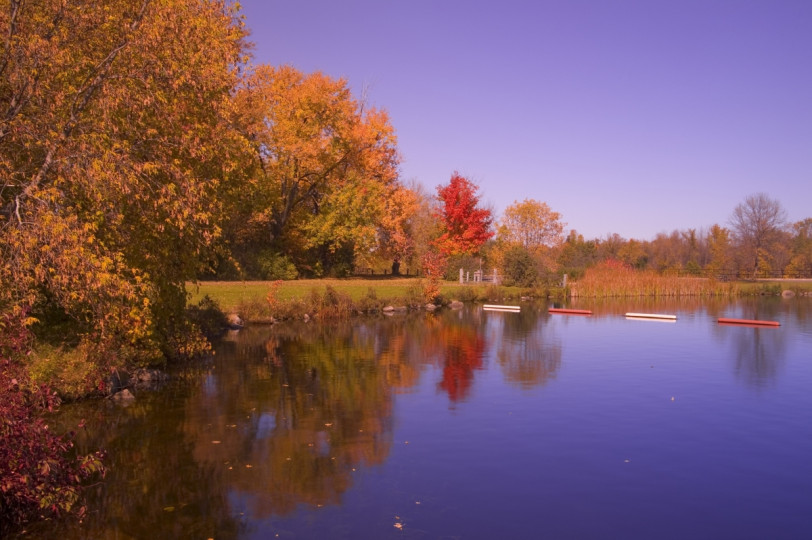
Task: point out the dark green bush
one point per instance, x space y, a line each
520 268
272 265
208 316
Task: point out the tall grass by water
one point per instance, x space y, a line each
616 280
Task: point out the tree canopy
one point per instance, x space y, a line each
465 224
112 147
532 225
324 178
757 225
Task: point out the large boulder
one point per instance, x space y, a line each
234 321
124 397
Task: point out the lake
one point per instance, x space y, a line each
472 424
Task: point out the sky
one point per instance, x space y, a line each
634 117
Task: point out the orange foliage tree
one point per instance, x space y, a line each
466 226
325 170
112 149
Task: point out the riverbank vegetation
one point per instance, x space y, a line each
259 301
614 279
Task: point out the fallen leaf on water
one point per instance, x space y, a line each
215 442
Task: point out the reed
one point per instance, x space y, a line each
612 279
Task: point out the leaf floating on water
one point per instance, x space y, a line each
215 442
169 508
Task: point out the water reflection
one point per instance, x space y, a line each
528 350
292 428
282 418
758 354
460 345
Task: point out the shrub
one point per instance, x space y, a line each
272 265
71 371
38 477
520 268
330 304
370 301
208 316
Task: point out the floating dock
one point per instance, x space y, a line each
494 307
748 322
570 311
651 316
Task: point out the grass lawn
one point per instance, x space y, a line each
230 294
775 286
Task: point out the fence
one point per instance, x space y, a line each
732 275
480 277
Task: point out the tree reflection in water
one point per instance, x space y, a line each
283 418
758 353
462 354
528 351
292 429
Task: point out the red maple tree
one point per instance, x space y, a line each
466 226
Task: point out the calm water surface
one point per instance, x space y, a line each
472 424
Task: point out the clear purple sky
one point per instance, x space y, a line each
626 116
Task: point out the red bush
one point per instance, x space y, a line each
38 475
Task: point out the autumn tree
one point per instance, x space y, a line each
801 263
719 246
633 253
577 253
465 225
112 149
423 224
532 225
757 224
324 176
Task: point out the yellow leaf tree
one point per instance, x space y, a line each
112 150
528 230
532 225
324 187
